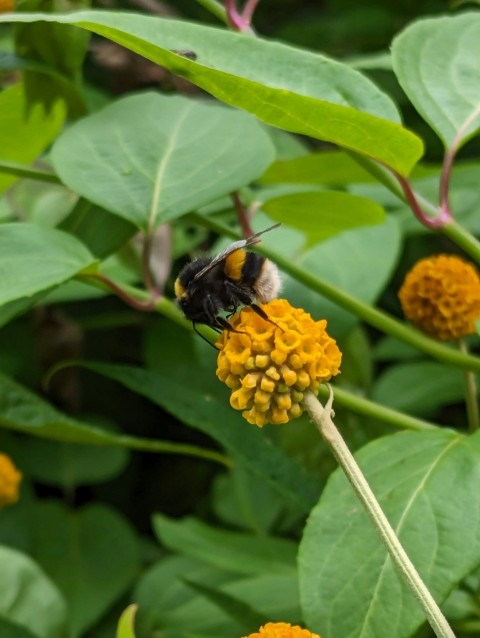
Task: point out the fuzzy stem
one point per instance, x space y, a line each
321 416
471 393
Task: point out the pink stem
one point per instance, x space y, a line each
434 223
249 10
122 294
234 19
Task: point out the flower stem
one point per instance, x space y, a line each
460 235
471 393
321 416
215 8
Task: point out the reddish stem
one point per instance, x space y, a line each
145 306
242 215
433 223
240 21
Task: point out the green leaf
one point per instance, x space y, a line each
29 599
126 624
23 411
236 552
419 388
168 606
183 382
327 167
321 215
436 62
92 555
12 630
427 485
359 262
102 232
151 158
69 465
25 129
293 89
33 259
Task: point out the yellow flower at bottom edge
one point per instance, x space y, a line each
270 364
10 479
441 296
282 630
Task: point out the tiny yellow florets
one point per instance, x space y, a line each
282 630
441 295
269 365
10 479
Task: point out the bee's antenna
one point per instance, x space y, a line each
266 230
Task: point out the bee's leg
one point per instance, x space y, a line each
204 338
264 315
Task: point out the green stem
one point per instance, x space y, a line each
321 416
368 408
460 235
215 8
471 393
372 316
19 170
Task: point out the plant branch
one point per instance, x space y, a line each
28 172
365 407
322 417
367 313
471 393
242 215
215 8
449 158
433 223
138 299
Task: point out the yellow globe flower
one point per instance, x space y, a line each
441 295
282 630
269 365
10 479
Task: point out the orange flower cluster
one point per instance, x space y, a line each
10 479
269 365
441 295
282 630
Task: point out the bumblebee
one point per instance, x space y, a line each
236 277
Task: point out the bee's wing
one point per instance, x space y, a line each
237 245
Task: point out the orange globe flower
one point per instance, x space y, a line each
441 295
269 365
10 479
282 630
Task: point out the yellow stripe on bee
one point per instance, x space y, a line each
234 264
178 289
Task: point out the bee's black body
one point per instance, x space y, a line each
209 285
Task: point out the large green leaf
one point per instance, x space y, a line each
25 129
236 552
92 556
286 87
151 158
34 259
323 214
29 598
427 484
183 382
436 62
23 411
